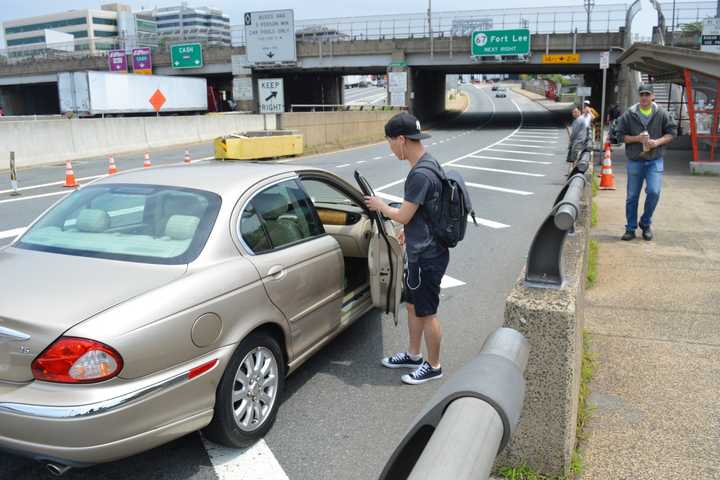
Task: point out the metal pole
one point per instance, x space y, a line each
432 46
602 109
672 39
13 176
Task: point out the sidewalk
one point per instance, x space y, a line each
654 320
550 105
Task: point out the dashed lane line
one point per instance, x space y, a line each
498 189
343 165
42 195
520 145
12 233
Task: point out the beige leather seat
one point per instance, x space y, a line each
271 206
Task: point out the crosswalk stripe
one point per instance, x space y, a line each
498 170
516 151
498 189
520 145
510 159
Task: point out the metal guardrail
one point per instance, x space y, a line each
298 107
470 419
544 262
545 20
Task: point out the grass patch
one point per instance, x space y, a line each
594 215
592 264
521 473
595 185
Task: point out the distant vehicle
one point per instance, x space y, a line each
184 304
501 92
357 81
91 93
494 87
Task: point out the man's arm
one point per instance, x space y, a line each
401 215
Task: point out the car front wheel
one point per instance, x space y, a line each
248 396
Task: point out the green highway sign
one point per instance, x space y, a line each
489 43
186 55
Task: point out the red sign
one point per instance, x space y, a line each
157 100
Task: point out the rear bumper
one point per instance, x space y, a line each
81 425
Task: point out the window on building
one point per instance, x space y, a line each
104 21
25 41
42 26
101 33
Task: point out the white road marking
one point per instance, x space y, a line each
511 160
254 463
343 165
12 233
498 189
377 158
497 170
20 199
391 184
521 145
522 153
532 140
93 177
450 282
433 144
481 221
360 161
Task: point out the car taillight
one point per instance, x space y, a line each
77 360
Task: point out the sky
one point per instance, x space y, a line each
309 9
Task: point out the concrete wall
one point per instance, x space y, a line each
322 129
552 320
50 141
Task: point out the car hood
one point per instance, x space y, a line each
44 294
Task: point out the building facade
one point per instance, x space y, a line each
94 30
202 24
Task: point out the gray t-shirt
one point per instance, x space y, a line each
579 130
421 188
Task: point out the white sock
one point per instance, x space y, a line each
415 357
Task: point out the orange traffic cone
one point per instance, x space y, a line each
187 160
112 169
147 163
70 176
607 179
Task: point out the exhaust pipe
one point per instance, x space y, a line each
56 470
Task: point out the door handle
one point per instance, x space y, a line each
276 272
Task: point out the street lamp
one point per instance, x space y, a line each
589 5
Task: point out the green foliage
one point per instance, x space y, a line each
592 264
594 216
694 27
595 185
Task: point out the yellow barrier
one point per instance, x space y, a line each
258 145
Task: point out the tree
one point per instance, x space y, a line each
694 27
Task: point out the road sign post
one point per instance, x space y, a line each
271 95
13 175
491 43
186 55
604 65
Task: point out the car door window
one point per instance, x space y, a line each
278 216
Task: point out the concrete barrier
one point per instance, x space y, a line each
552 320
320 129
39 142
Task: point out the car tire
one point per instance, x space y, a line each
239 430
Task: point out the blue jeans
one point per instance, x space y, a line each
649 171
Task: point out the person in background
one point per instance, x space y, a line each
578 135
645 128
2 112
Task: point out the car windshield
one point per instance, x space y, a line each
138 223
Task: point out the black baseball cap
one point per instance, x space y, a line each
645 88
406 125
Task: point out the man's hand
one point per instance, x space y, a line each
401 237
375 204
652 143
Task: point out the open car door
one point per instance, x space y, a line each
385 260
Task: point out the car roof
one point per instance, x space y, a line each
215 176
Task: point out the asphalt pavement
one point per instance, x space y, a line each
365 96
343 413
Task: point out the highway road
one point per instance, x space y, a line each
343 413
366 96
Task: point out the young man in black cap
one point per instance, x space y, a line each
645 128
427 260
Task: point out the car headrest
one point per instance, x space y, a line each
271 205
181 227
93 220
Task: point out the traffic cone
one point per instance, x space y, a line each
147 163
187 160
70 176
607 179
112 169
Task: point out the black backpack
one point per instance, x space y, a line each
448 216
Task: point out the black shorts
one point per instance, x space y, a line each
422 283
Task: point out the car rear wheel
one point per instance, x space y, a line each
248 396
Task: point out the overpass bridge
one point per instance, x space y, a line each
330 48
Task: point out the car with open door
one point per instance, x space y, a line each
157 302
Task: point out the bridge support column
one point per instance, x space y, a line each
396 96
244 90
